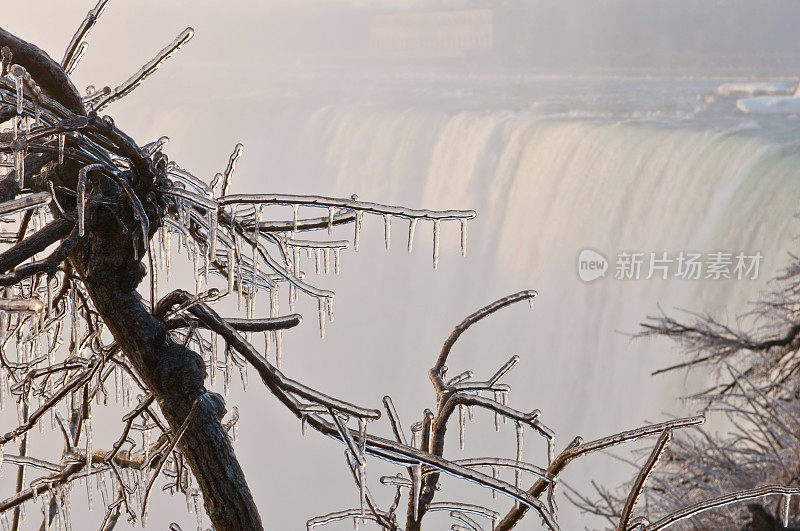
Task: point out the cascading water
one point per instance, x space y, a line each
547 183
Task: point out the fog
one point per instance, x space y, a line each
566 124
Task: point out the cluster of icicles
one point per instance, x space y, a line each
228 231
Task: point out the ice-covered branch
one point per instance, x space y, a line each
720 501
641 478
71 55
474 318
577 448
148 68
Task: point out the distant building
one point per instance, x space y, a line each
434 34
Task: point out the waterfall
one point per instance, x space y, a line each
545 188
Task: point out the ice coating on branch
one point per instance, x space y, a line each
321 311
503 370
228 174
151 66
32 305
77 58
25 202
155 147
77 45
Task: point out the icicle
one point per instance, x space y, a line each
197 512
49 281
787 499
278 347
62 141
274 301
462 421
318 260
387 230
161 247
357 237
412 226
255 245
416 487
118 384
362 487
304 424
197 273
327 260
88 430
330 220
336 259
436 234
168 255
243 372
228 370
494 476
497 398
295 262
179 204
230 269
206 262
321 306
295 209
19 156
329 301
213 368
212 234
463 236
18 72
67 509
520 432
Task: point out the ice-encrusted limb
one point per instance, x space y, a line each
147 69
71 55
358 206
228 173
638 484
325 519
578 448
474 318
720 501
